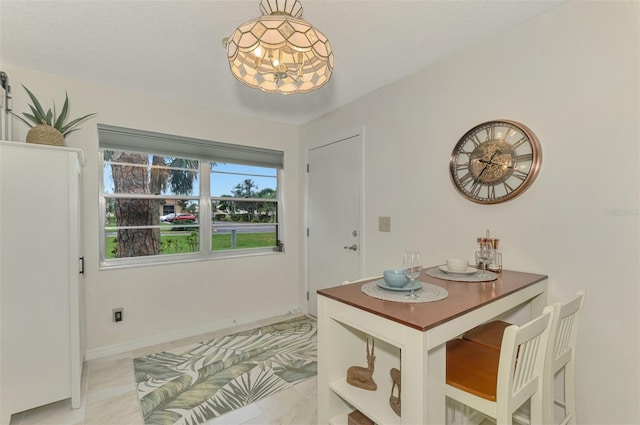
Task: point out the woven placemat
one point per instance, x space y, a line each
427 293
437 273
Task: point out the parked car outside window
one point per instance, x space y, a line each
182 217
167 217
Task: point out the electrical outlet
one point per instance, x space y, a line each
117 314
384 224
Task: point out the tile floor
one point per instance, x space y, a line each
109 395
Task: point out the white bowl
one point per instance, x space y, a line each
457 264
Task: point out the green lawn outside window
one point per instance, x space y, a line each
185 243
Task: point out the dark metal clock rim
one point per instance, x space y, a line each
528 181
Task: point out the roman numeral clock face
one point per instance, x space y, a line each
495 161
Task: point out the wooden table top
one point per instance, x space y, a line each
463 297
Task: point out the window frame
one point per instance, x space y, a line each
205 232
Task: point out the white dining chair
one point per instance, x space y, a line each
560 356
498 383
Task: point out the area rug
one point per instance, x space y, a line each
193 384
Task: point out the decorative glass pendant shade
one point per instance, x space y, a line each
280 53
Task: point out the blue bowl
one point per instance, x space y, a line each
395 278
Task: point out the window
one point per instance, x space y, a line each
167 198
244 206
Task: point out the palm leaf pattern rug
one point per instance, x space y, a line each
191 385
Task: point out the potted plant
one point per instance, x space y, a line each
46 127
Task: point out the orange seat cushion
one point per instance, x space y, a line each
488 334
472 368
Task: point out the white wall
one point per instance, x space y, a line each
572 76
168 301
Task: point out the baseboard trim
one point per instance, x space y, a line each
96 353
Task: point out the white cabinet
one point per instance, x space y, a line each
41 285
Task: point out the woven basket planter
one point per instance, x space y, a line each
45 135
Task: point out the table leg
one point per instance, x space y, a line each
323 372
413 370
436 381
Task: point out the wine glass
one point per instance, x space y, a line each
412 265
485 250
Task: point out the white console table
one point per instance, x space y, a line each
410 337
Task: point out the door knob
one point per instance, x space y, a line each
353 247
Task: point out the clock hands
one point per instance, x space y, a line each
489 162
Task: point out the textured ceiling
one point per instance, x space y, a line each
173 48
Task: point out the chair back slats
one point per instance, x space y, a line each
564 342
521 364
525 363
524 366
566 331
518 399
564 336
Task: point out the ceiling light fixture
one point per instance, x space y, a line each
279 52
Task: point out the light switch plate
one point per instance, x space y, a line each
384 224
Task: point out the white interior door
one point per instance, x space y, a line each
334 198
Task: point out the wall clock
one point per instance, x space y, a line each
495 161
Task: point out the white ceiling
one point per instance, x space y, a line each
173 48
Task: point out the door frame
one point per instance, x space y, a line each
325 141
